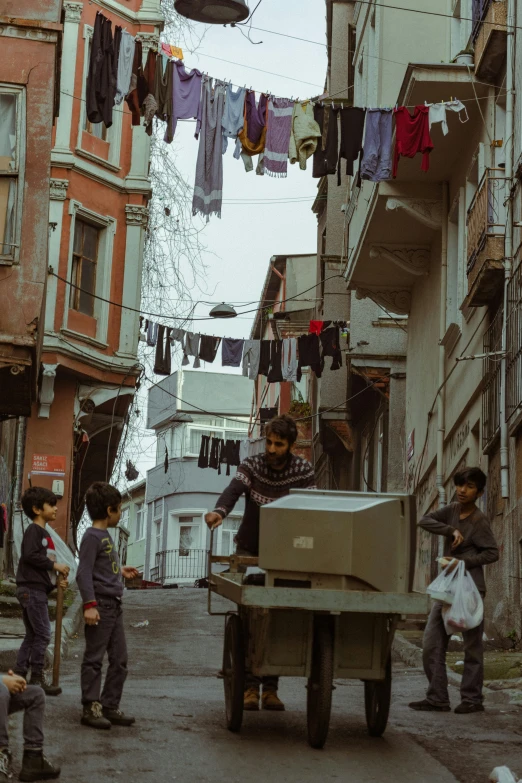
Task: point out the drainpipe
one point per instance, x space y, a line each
508 252
442 351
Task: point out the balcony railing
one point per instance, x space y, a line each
514 345
490 37
186 564
491 392
486 227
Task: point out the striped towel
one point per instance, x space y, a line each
275 159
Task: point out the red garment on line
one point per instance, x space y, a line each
316 327
412 135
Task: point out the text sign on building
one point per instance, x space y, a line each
48 465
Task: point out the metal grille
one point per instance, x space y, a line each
172 564
491 392
514 344
486 213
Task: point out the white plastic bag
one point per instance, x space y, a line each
443 586
502 775
467 608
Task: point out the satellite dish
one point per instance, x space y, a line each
213 11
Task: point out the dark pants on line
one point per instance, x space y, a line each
37 630
32 702
106 637
434 647
251 681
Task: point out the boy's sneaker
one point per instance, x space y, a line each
38 678
427 706
117 717
5 766
93 716
36 767
467 707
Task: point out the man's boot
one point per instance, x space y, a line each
271 701
117 717
251 699
93 716
36 767
38 678
5 765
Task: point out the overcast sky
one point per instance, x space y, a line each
241 243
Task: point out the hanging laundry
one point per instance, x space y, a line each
191 349
208 188
138 85
308 347
264 357
275 157
316 327
214 460
231 352
412 135
150 104
305 134
163 87
208 348
326 154
3 523
289 361
177 335
330 342
352 130
231 454
185 99
203 452
251 358
253 133
125 60
276 362
162 364
233 116
376 164
152 333
166 462
101 84
437 113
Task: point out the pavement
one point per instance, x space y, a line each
180 734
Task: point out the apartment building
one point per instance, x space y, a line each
133 523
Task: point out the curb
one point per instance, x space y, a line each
70 625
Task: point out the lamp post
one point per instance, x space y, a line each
223 311
213 11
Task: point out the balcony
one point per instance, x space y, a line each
180 564
492 345
490 39
486 226
514 348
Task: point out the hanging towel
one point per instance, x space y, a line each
233 115
162 364
231 352
152 334
251 357
376 164
325 156
275 159
208 348
437 113
208 188
289 362
305 134
352 130
412 135
185 98
253 134
125 60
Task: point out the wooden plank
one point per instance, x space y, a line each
334 600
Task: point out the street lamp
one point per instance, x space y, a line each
223 311
213 11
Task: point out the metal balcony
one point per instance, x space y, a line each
181 564
490 33
486 227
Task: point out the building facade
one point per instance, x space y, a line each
179 493
99 190
133 523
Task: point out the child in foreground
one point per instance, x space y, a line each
99 580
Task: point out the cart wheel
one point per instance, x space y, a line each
377 697
320 685
234 672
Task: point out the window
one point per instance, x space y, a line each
139 521
157 515
194 434
10 170
124 519
229 529
188 535
85 257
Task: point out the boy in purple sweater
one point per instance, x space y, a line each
100 583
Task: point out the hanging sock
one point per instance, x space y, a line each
208 188
412 135
376 164
305 134
280 112
325 156
231 352
352 130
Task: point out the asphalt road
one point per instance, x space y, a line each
180 736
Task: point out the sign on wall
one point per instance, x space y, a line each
48 465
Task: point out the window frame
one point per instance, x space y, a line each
140 518
76 269
13 257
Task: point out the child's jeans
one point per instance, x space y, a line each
37 630
108 636
32 702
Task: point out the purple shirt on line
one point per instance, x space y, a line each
186 97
